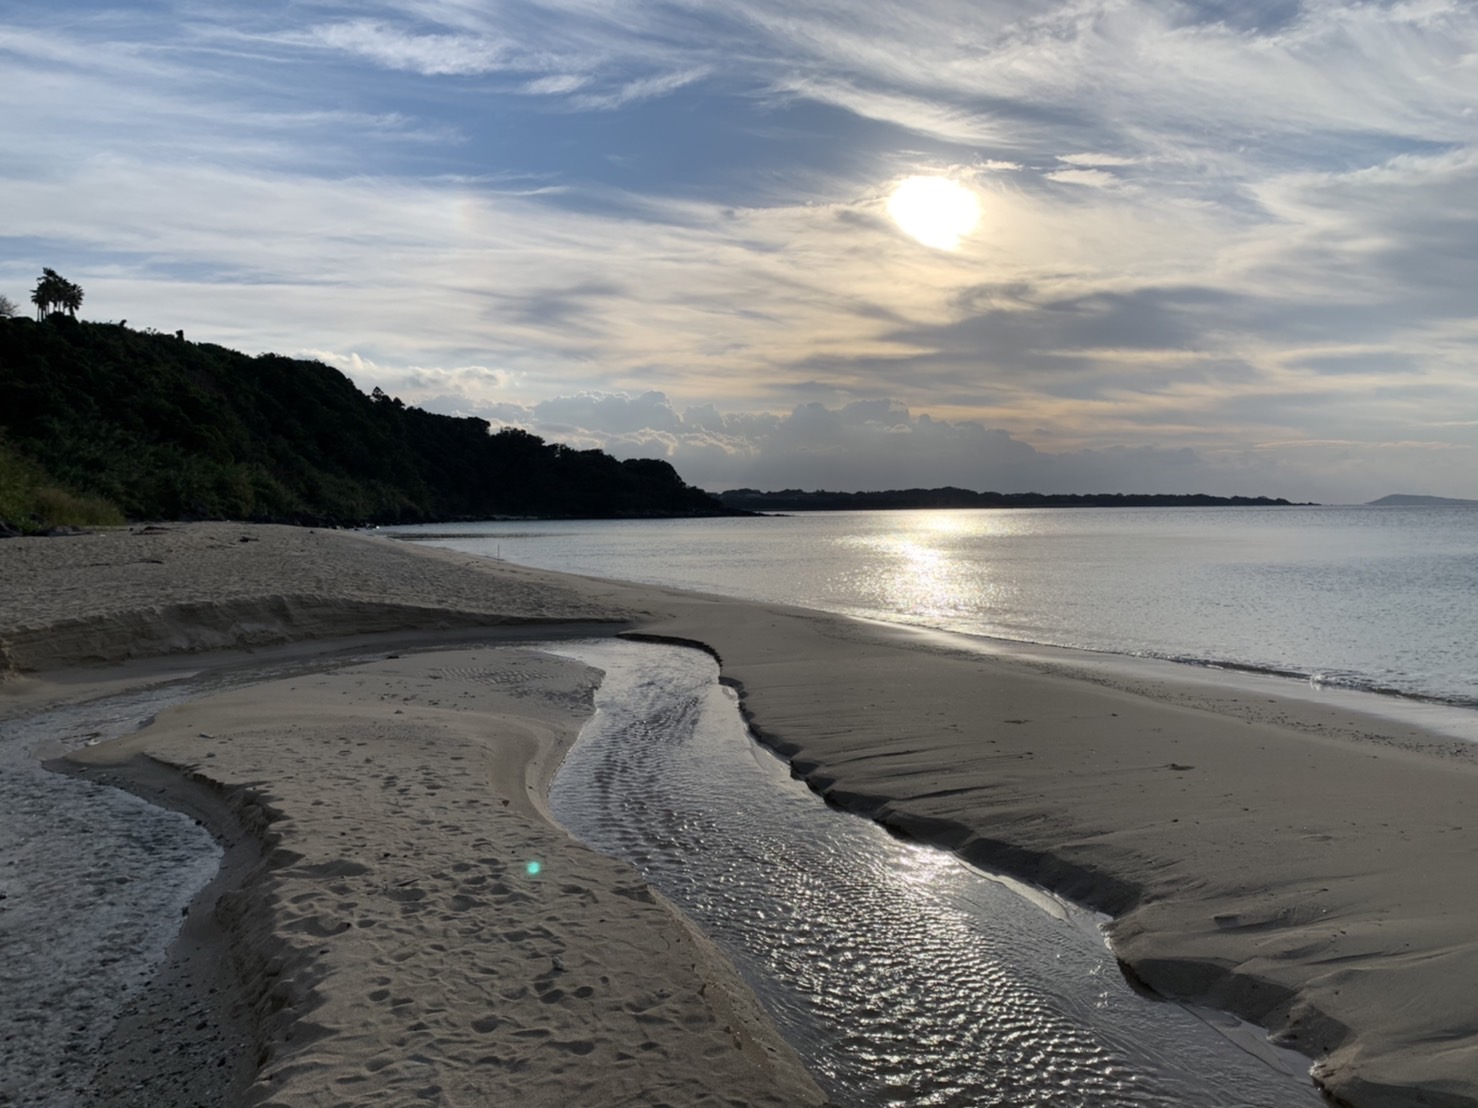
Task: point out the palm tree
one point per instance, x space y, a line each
55 291
71 298
47 292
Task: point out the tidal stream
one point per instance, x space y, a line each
901 975
93 881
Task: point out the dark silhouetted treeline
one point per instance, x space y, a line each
94 414
794 500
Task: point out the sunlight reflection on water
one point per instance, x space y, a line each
1367 598
927 566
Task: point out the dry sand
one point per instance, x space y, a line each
1300 865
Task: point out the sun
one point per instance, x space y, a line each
935 210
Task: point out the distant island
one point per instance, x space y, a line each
1407 500
795 500
100 424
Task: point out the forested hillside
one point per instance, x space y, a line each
97 420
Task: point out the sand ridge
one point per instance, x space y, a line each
108 596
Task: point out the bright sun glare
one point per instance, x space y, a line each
935 210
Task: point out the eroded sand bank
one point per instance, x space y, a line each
1304 867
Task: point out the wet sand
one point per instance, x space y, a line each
1298 864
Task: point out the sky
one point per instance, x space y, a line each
1221 246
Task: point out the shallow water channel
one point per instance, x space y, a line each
93 881
901 975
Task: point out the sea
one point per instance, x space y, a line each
1380 600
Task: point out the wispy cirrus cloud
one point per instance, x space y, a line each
432 55
634 92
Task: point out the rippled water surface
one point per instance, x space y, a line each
1367 598
903 976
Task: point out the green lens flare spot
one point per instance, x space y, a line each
533 868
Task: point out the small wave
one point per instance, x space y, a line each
1318 678
1335 679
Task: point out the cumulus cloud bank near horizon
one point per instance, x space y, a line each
1222 247
881 444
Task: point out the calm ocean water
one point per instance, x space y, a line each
1377 599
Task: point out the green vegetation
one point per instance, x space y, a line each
98 423
30 498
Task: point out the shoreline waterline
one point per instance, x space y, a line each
1371 599
1437 718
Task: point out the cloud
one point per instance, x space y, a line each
475 53
608 413
1214 235
433 55
1090 178
953 124
634 92
555 85
935 452
1096 160
880 443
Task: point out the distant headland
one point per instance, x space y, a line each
795 500
1408 500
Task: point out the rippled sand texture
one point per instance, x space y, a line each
394 943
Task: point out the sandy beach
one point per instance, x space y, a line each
1300 865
